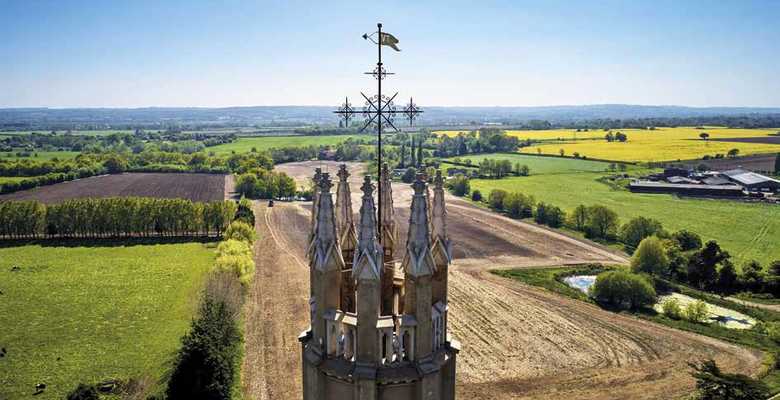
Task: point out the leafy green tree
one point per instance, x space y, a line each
753 276
622 289
703 265
687 240
602 222
733 153
495 199
704 135
410 174
713 384
777 164
650 257
518 205
115 164
728 280
206 364
476 195
621 137
579 218
635 230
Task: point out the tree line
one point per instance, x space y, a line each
114 217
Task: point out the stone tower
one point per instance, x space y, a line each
378 326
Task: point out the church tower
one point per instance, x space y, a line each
390 341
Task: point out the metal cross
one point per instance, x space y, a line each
378 110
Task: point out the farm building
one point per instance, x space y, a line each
686 189
751 180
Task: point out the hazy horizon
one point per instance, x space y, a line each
201 54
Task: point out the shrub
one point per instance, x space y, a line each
712 384
637 229
83 392
240 231
241 265
696 311
650 257
672 309
459 185
622 289
207 362
496 198
409 175
476 195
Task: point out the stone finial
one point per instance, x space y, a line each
368 255
417 259
324 253
344 220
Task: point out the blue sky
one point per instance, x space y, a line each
507 53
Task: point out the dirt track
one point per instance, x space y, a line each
517 341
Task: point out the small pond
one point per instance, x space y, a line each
723 316
581 282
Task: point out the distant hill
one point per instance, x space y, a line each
53 118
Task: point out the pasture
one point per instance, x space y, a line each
747 230
260 143
195 187
545 165
84 313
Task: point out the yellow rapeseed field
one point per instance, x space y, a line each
661 144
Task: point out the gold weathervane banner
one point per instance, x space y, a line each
389 40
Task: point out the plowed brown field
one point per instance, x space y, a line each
196 187
517 341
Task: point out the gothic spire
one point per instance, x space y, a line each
344 222
324 253
368 255
439 213
417 259
315 198
388 227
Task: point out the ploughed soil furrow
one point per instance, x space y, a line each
517 341
195 187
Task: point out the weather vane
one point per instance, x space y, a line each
379 110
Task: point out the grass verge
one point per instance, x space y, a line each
90 313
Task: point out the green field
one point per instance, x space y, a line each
747 230
245 144
546 165
87 314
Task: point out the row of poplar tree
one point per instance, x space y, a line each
114 217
